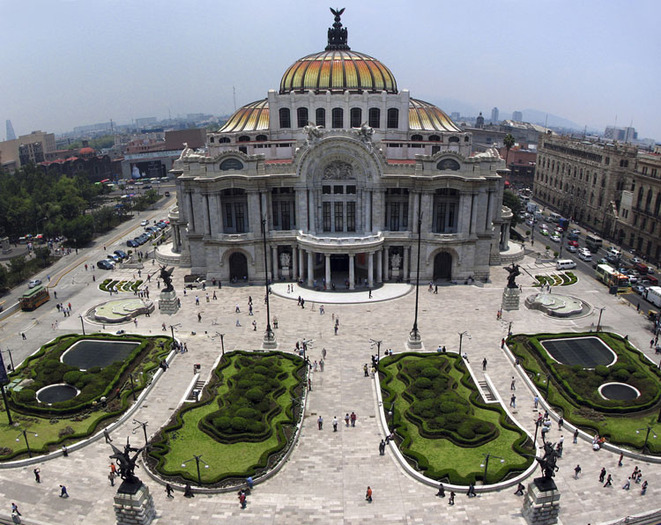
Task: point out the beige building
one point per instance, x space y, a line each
345 171
26 149
583 180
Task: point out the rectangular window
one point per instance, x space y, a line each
351 216
327 216
339 216
229 223
405 216
393 118
240 218
441 212
338 190
326 190
302 117
338 118
375 118
394 217
320 117
351 190
452 217
286 215
276 217
285 118
356 117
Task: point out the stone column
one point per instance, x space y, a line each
369 225
386 275
328 270
310 269
370 269
254 220
302 210
352 277
407 255
311 213
379 266
274 263
301 264
206 214
294 262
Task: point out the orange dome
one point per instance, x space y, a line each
86 151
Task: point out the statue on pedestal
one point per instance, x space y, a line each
513 272
125 463
166 276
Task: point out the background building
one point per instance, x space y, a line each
26 149
494 116
339 165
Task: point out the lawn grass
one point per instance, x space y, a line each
184 438
628 428
442 459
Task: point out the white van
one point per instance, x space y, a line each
565 264
584 254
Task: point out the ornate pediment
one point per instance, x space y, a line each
338 170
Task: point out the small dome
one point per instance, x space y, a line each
338 70
424 116
86 151
251 117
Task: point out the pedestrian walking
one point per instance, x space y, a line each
334 424
536 401
320 422
365 370
513 383
169 490
561 422
451 500
602 474
353 418
576 436
63 492
14 509
382 448
242 499
484 364
111 478
323 353
37 476
513 401
346 419
619 461
368 494
609 481
254 326
250 482
643 489
106 435
441 491
188 491
627 484
520 489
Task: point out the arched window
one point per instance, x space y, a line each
337 118
416 137
453 139
231 164
356 117
466 138
434 138
302 117
224 140
375 118
393 118
243 138
320 117
261 138
285 118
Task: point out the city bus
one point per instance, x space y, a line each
34 298
611 277
593 243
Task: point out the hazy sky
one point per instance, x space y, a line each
65 63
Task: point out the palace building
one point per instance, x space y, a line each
339 174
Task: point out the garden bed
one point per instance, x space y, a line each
103 393
121 285
242 424
556 279
446 429
574 391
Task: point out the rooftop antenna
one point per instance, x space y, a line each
234 96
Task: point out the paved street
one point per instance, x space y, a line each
326 476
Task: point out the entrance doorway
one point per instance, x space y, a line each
238 267
443 266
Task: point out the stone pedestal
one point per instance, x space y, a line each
134 505
542 502
269 342
511 298
286 274
414 341
168 303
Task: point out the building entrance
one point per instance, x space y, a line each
443 266
238 267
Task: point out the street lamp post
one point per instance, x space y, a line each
538 423
461 337
25 437
144 428
82 323
601 311
11 360
486 463
197 459
172 327
415 340
222 343
378 349
269 336
647 436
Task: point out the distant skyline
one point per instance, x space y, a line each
68 63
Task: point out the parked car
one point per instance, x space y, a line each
105 264
121 254
197 283
639 289
144 223
114 258
34 282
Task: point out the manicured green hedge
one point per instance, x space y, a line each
462 424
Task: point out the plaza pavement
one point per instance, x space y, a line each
325 479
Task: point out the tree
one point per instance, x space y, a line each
513 202
17 266
508 142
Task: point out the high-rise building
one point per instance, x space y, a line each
331 165
10 131
494 116
517 116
